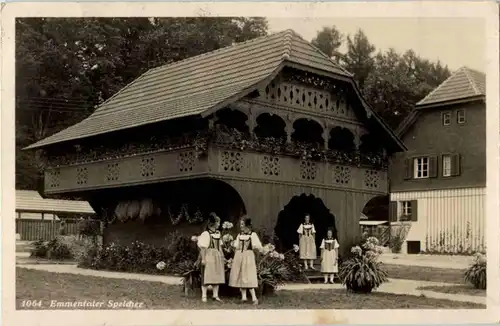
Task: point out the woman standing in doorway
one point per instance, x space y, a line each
329 256
212 258
244 269
307 242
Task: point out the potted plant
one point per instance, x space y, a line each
476 273
362 271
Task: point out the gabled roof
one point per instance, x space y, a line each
202 84
31 201
462 84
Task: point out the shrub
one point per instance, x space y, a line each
363 272
89 228
139 257
398 237
39 249
54 249
476 273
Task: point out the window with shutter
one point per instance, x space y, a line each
446 166
393 211
433 167
408 169
455 165
421 167
406 211
414 210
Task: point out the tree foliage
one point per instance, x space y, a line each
391 82
328 40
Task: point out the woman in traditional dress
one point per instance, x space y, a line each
212 258
307 242
329 256
244 270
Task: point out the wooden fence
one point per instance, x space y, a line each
32 229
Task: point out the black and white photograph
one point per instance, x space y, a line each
250 162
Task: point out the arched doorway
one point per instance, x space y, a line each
292 215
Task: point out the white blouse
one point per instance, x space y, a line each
335 246
254 239
304 227
205 238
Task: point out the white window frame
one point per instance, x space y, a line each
446 159
461 116
446 118
406 210
421 167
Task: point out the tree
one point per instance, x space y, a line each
65 67
399 81
359 57
329 40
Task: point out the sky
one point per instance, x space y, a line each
456 42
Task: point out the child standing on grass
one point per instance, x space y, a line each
329 256
212 258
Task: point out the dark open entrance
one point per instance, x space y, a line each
193 198
292 215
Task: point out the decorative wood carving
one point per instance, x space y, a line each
186 161
372 179
82 175
147 167
54 178
304 97
270 165
342 175
113 172
231 161
308 170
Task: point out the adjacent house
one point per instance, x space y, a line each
39 218
438 185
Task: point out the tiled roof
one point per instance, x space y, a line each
195 85
462 84
31 201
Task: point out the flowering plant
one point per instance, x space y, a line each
227 225
362 272
161 265
476 273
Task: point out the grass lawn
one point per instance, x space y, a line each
465 289
432 274
46 286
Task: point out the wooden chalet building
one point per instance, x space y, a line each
270 128
439 183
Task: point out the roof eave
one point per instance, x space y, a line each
407 123
243 93
451 102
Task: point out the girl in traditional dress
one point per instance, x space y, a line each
212 258
329 256
244 270
307 242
